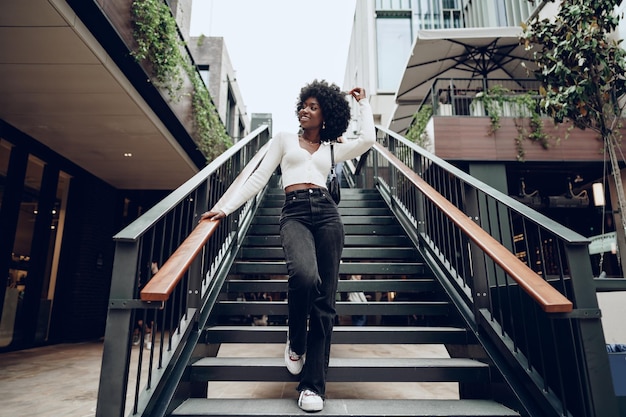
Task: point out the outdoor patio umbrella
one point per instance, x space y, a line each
478 53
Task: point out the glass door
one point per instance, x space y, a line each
32 269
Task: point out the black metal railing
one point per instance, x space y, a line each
560 355
145 341
553 358
461 96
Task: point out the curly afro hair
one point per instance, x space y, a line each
334 106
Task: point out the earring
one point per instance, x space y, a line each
323 125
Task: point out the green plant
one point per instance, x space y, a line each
581 68
159 45
201 39
155 31
496 98
212 137
493 101
417 131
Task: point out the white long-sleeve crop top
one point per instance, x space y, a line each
298 165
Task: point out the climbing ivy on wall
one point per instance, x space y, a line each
159 44
417 131
525 105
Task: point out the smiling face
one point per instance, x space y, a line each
310 114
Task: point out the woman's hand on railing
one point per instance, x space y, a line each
212 215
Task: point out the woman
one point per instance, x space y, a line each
311 229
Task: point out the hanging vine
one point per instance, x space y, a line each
528 121
417 131
156 32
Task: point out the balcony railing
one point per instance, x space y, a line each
461 96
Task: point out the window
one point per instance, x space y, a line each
393 4
452 18
393 45
231 112
437 14
204 74
501 17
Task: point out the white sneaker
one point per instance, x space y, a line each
293 361
310 401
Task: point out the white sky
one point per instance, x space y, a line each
278 46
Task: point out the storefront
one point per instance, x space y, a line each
32 216
57 222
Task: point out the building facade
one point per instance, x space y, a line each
384 32
211 57
386 46
87 144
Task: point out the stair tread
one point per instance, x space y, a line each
343 407
278 267
353 363
350 240
338 328
388 284
370 221
234 307
345 370
377 253
342 334
345 192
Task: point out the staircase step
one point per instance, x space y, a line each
346 193
376 308
341 335
349 196
344 211
347 221
380 227
344 285
263 252
344 370
350 240
346 204
410 269
198 407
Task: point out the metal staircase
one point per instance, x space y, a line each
507 291
379 250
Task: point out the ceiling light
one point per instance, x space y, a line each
598 194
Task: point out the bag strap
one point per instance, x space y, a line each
332 159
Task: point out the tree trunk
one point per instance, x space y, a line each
611 143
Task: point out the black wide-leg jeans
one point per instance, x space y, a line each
312 236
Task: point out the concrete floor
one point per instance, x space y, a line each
62 380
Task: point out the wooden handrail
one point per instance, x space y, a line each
163 283
549 298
